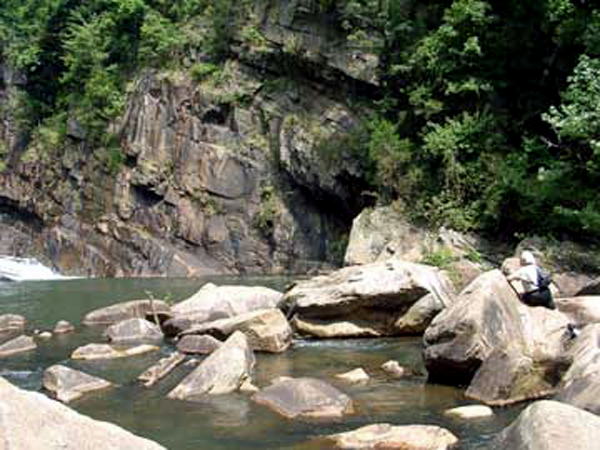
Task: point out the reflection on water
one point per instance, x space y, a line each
228 421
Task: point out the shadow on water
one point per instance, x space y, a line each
228 421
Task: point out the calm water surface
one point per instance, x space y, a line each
228 421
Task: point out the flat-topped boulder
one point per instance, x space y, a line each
68 384
364 300
223 372
106 351
20 344
198 344
488 315
548 424
142 309
214 302
267 330
30 420
11 322
387 436
133 330
305 398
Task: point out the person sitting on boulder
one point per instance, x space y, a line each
530 276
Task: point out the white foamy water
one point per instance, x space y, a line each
25 269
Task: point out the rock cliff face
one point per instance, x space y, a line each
223 174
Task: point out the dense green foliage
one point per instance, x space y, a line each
488 115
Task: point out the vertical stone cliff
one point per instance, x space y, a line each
224 174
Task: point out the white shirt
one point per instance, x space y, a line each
528 275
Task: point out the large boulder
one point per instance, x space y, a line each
583 392
267 330
548 424
213 302
30 420
224 371
592 287
11 322
17 345
142 309
364 300
386 436
580 310
581 384
68 384
307 398
487 316
133 330
509 377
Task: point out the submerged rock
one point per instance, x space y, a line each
552 425
267 330
11 322
385 436
133 330
17 345
364 300
224 371
142 309
68 384
470 412
105 351
63 326
354 376
161 369
30 420
305 398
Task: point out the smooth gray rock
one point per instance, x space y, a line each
142 309
267 330
133 330
550 425
584 393
305 398
30 420
17 345
224 371
68 384
195 344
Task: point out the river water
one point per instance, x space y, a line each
227 422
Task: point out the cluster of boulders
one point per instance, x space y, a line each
482 338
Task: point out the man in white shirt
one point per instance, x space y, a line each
529 275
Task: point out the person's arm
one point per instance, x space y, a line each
516 275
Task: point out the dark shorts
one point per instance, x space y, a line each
541 297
